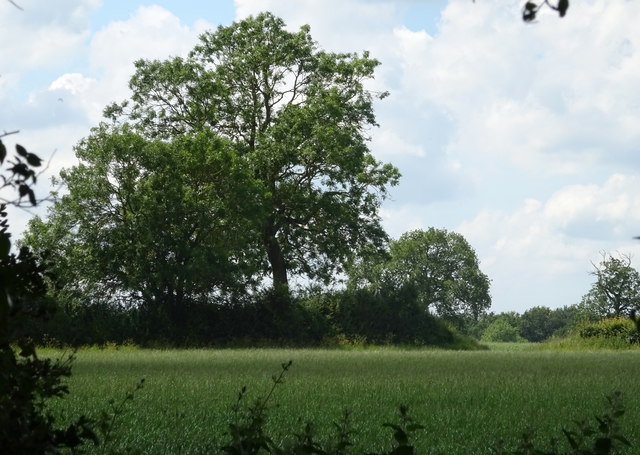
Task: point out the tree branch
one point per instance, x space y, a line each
16 5
7 133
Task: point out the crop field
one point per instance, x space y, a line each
467 401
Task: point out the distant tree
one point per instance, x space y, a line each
501 330
300 119
475 327
539 323
512 317
440 266
616 291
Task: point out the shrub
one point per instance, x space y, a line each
621 329
384 318
502 331
27 381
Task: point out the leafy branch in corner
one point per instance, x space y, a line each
27 381
20 173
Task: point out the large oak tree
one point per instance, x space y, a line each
298 116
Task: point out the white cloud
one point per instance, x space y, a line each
549 244
337 25
541 96
74 83
151 32
388 140
44 33
55 116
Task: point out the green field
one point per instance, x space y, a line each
466 400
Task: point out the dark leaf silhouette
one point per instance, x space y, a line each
530 9
21 150
33 160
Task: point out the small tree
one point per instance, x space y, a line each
440 266
501 330
539 323
616 291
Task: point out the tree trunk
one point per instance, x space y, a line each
276 260
278 265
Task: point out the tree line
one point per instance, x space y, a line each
614 296
225 176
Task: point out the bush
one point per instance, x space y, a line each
501 330
382 318
621 329
27 381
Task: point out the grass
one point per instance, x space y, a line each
466 400
512 347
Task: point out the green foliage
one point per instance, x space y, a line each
623 329
298 118
27 381
364 317
537 324
501 330
20 175
438 267
148 223
540 323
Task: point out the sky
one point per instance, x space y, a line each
524 138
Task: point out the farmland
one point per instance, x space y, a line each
467 401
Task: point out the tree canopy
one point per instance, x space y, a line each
150 221
298 118
439 266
